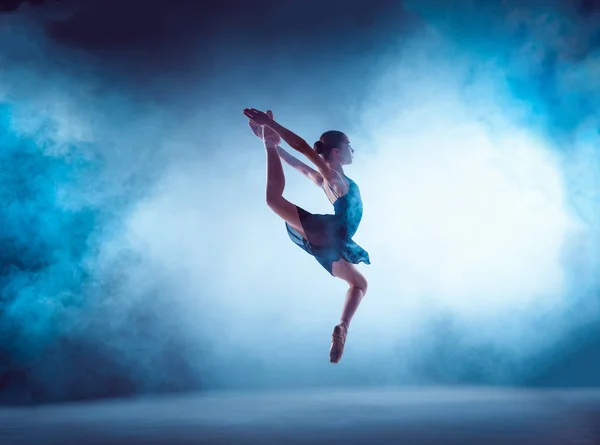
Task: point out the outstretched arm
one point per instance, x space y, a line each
294 141
310 173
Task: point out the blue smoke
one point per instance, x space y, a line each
542 57
67 330
142 258
43 242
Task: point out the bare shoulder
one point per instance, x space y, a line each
338 183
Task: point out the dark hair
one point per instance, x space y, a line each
328 141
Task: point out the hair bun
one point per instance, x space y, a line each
319 146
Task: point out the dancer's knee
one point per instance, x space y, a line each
360 283
273 200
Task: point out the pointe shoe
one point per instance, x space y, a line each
337 343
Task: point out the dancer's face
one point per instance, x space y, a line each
345 152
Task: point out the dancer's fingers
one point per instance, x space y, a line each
256 129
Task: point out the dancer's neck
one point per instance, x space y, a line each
337 167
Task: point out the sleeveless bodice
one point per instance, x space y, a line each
349 210
329 237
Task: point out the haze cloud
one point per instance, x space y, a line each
139 255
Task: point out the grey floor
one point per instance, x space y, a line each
369 416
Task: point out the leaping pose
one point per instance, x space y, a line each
326 237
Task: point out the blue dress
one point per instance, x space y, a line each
330 236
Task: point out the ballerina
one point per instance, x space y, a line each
328 237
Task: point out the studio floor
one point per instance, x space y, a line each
346 416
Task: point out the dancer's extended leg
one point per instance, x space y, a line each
276 185
357 290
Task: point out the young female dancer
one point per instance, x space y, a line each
326 237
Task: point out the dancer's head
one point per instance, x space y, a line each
335 147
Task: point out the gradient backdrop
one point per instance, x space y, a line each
136 250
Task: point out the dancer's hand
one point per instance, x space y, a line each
258 116
265 133
269 135
256 129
